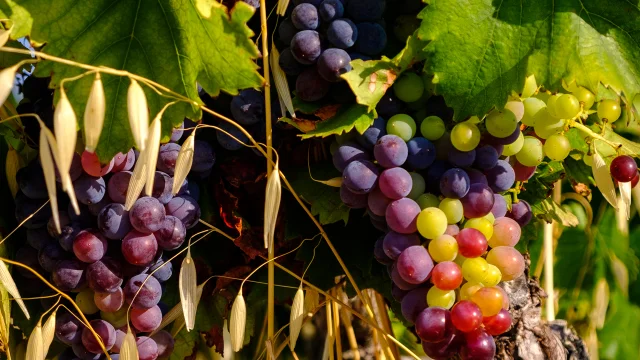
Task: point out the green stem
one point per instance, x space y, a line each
593 134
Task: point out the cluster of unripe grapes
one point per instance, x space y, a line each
105 255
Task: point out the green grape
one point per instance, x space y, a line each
427 200
401 125
118 318
501 123
514 147
475 269
516 107
432 222
452 208
531 153
417 186
465 136
85 302
609 109
432 128
588 159
547 125
531 107
443 248
346 136
459 260
441 298
481 224
567 106
557 147
585 96
490 217
468 289
551 104
409 87
492 277
544 96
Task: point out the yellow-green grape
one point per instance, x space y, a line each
531 153
427 200
516 107
441 298
557 147
547 125
432 222
501 123
490 217
544 96
118 318
492 277
567 106
417 186
514 147
609 109
409 87
551 104
481 224
585 96
475 269
452 208
401 125
532 106
465 136
443 248
85 302
432 128
459 260
468 289
588 159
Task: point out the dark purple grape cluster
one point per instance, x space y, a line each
107 257
323 36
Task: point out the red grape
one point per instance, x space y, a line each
466 316
478 346
146 320
444 349
109 302
89 246
446 275
147 348
471 243
498 323
433 324
106 332
139 248
623 168
91 165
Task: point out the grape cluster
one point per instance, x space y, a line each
105 254
323 36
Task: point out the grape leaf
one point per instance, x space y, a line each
172 42
185 341
481 50
620 335
355 116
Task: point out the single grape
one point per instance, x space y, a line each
167 156
475 269
68 328
372 38
414 264
453 209
506 232
69 275
184 208
89 246
521 213
146 320
432 128
446 275
161 269
139 248
162 186
501 123
441 298
586 97
333 63
468 289
623 168
409 87
176 133
84 300
360 176
465 136
499 208
486 157
109 302
421 153
418 186
492 277
523 173
466 316
489 300
427 200
531 108
567 106
120 334
143 290
432 222
49 256
342 33
557 147
609 109
113 221
501 177
347 153
147 348
105 331
497 324
471 243
551 104
390 151
375 132
105 275
163 339
461 159
89 190
331 9
92 166
434 324
401 125
455 183
508 260
444 349
351 199
305 17
414 303
443 248
531 153
394 243
514 147
147 214
452 230
118 185
395 183
306 46
478 346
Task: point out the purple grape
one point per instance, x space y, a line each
69 232
38 238
167 156
118 186
139 248
305 17
89 246
306 47
490 139
288 63
147 348
434 324
501 177
521 213
333 63
377 202
89 189
227 141
351 199
83 354
370 137
161 269
146 215
176 133
455 183
149 294
399 281
171 234
68 328
390 151
395 183
394 243
413 303
331 9
347 153
478 202
444 349
106 332
109 302
49 256
476 177
162 186
499 208
105 275
310 86
414 264
459 158
247 107
146 320
286 31
69 275
342 33
113 221
203 156
120 334
30 179
478 346
486 157
401 216
95 209
397 293
165 343
360 176
422 153
185 208
372 38
389 105
379 254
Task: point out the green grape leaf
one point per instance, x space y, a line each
480 51
578 171
620 336
549 210
185 341
345 120
172 42
325 200
370 79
